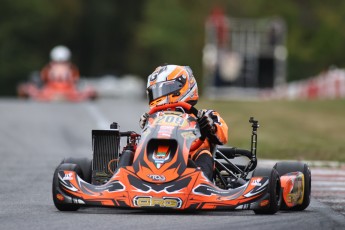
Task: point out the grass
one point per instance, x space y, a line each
296 130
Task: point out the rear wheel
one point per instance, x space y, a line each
60 205
274 191
287 167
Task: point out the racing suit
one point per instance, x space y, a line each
218 135
214 128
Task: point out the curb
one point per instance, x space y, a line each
318 164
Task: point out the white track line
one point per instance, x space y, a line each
95 113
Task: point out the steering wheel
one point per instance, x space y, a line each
188 109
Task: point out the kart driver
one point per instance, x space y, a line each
60 71
173 83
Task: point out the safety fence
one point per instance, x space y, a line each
329 84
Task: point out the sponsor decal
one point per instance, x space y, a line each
64 179
68 176
165 202
156 177
260 187
165 131
256 182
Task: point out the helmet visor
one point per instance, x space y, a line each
161 89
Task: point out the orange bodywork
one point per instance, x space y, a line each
191 191
293 188
160 176
59 83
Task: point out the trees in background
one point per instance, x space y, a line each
99 33
134 36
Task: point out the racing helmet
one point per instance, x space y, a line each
60 53
172 83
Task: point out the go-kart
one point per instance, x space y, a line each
154 171
55 91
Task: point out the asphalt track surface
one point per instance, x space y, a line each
36 136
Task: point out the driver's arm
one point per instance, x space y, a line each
221 130
213 126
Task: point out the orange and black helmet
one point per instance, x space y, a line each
172 83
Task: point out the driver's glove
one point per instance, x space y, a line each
143 120
206 119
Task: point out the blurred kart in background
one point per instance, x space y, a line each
107 86
58 89
57 81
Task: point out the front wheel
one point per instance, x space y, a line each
84 163
274 191
60 205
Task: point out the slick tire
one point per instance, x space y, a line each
85 164
287 167
274 190
55 186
